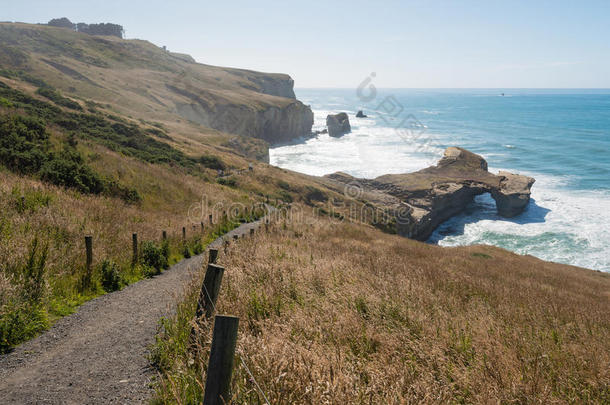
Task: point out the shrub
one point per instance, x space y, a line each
21 322
57 98
152 257
113 132
212 162
111 277
5 103
285 196
314 194
197 247
25 148
284 185
227 181
165 252
68 169
127 194
186 252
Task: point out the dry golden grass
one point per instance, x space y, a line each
337 313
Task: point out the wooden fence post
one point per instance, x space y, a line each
220 365
251 231
209 290
184 233
213 255
89 251
164 235
134 243
210 216
202 227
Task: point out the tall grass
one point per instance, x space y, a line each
346 314
42 253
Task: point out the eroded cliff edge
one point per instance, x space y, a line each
141 80
253 104
422 200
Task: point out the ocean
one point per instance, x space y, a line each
559 137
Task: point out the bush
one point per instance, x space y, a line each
5 103
67 169
57 98
165 251
285 196
186 252
227 181
113 132
197 247
111 276
127 194
212 162
19 323
153 257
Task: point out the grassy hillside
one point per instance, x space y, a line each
135 78
71 169
340 313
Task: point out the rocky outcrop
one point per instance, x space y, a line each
422 200
513 195
338 124
360 114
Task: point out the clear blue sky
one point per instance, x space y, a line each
424 43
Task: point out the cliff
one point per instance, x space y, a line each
422 200
139 79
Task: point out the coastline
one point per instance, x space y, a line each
564 223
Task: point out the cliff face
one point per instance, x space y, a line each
277 85
146 82
423 200
273 124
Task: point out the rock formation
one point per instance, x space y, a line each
422 200
360 114
338 124
274 124
280 85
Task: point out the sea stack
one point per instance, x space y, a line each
360 114
338 124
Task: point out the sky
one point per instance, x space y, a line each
407 44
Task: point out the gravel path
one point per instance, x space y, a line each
98 355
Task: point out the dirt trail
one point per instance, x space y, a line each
98 355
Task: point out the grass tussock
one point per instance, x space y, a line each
337 313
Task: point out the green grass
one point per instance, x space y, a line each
113 132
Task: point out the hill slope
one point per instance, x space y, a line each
140 79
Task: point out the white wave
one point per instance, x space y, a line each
561 225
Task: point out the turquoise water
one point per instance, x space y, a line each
560 137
